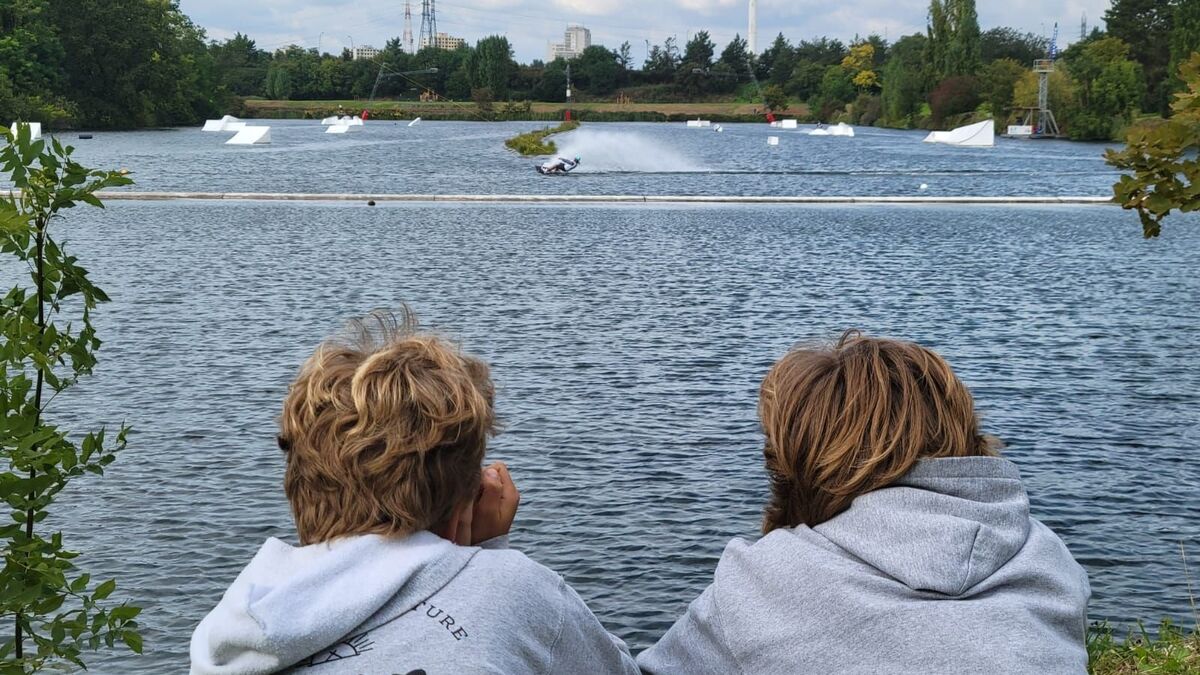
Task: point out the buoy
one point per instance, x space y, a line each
85 136
370 202
924 186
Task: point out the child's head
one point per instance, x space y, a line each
385 434
842 421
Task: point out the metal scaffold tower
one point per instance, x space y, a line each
408 42
1041 118
428 24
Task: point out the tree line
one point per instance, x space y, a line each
123 63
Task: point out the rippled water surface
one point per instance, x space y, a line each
469 157
627 345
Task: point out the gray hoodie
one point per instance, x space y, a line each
942 572
370 604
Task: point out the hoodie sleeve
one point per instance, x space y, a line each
695 644
584 645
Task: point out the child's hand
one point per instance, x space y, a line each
496 506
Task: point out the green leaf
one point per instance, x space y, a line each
104 590
132 640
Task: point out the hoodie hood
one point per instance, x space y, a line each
291 602
945 526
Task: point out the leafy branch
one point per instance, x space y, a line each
55 610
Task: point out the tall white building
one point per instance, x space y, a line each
575 40
366 52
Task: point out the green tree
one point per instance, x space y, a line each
836 90
904 80
777 62
240 65
56 611
693 77
31 56
953 46
134 63
1109 87
775 98
1161 165
662 62
1007 43
806 78
997 81
736 56
1185 34
491 66
1145 25
823 51
596 70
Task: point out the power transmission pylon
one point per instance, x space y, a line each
408 43
428 23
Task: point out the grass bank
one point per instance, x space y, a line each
534 111
535 143
1173 650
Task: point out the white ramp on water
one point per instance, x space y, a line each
839 129
35 129
979 135
251 135
699 123
333 119
226 123
414 122
337 128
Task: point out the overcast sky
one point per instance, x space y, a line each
532 24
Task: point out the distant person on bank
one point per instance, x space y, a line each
404 565
896 540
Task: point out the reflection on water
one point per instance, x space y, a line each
627 344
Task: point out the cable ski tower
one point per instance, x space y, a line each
428 24
408 43
1041 119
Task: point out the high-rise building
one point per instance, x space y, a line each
366 52
575 40
442 41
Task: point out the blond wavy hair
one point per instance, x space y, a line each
384 432
843 420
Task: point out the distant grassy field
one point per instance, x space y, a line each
537 111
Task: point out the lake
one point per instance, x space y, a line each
627 344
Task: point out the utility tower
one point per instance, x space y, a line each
1083 27
408 43
428 23
752 36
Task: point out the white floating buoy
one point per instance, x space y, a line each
772 140
718 128
924 186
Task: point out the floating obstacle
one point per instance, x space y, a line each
35 129
414 122
337 129
979 135
772 140
332 119
839 129
787 124
251 135
699 123
226 123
